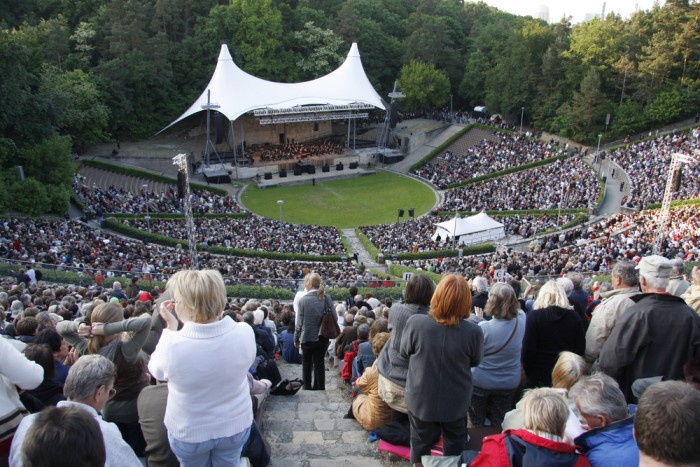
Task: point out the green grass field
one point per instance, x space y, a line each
347 203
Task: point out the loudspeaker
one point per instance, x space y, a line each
311 169
268 175
315 126
326 168
677 178
400 212
410 212
180 185
283 173
297 171
353 165
339 166
219 122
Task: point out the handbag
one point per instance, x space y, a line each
515 328
329 324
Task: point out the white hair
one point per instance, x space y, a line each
480 284
567 283
258 316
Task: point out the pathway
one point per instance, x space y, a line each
362 254
308 428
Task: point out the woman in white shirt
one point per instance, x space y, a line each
209 412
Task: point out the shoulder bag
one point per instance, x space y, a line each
329 323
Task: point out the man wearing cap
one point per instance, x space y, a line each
653 337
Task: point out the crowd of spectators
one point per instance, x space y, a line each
415 235
119 200
647 163
74 246
587 248
505 152
264 153
537 188
252 233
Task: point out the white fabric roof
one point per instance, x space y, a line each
237 92
474 229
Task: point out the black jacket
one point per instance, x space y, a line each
653 337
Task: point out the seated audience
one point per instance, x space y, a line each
70 433
290 353
609 439
541 442
368 408
89 385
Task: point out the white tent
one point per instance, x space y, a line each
470 230
236 92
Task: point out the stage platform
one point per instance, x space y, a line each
306 178
216 175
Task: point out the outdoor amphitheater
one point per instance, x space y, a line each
268 195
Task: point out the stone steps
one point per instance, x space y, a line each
308 428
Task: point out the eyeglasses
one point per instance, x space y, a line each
111 393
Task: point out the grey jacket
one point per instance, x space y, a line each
309 315
440 358
605 315
391 364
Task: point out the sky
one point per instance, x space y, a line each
577 9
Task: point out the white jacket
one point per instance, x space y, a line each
15 370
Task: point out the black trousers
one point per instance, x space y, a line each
425 434
313 358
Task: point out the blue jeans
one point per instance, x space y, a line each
224 452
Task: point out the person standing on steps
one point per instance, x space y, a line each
307 332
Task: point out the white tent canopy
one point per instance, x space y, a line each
470 230
236 92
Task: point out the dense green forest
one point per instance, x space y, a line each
77 72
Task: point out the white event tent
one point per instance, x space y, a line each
470 230
235 92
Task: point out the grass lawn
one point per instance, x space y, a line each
347 203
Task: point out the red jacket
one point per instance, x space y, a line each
522 448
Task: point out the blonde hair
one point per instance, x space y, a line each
545 411
568 370
451 301
103 313
200 294
551 294
313 281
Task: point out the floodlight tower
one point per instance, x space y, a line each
677 161
181 161
387 121
208 107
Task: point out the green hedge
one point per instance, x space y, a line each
398 270
148 175
380 293
133 232
466 251
680 202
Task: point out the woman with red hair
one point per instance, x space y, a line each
441 349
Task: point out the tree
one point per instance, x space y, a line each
666 107
584 110
321 50
77 105
49 162
425 86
